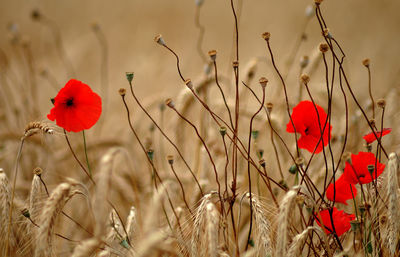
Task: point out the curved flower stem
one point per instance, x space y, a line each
86 156
248 166
76 158
13 194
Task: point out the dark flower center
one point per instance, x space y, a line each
70 102
306 131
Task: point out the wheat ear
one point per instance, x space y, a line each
103 183
394 215
52 208
263 229
198 223
87 248
212 218
131 221
298 242
5 203
283 220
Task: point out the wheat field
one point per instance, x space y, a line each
225 128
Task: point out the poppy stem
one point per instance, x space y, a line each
86 155
76 158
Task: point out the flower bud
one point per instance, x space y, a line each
212 54
235 64
270 106
381 103
170 159
169 103
37 171
266 36
26 213
122 91
323 47
159 40
305 78
263 81
129 76
366 62
304 61
318 2
189 84
222 131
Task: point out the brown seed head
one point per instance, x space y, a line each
36 15
270 106
304 78
212 54
299 161
37 171
262 163
372 122
326 33
95 26
170 159
122 91
366 62
263 81
318 2
159 40
25 213
304 61
266 36
235 64
381 103
189 84
323 47
169 103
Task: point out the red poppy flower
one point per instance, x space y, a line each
305 120
76 107
369 138
358 172
341 221
343 190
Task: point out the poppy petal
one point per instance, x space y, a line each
341 221
309 120
369 138
341 191
76 107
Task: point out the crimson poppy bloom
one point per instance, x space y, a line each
341 221
305 120
358 172
344 190
369 138
76 107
